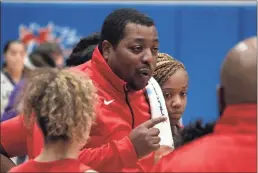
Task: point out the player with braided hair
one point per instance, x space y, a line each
173 79
166 67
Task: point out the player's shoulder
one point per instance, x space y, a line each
25 167
197 156
200 147
17 121
190 156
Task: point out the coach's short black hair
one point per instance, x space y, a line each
83 50
114 24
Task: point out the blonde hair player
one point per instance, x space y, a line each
62 102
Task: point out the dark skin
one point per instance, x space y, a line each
134 61
239 75
175 94
134 58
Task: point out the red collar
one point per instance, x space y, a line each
241 118
99 63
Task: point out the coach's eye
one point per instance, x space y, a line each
137 49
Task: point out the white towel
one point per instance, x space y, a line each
158 108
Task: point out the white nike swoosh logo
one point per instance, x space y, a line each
108 102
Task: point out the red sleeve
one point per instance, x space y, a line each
111 157
13 137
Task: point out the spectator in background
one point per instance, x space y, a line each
64 106
83 50
53 50
45 55
232 146
12 72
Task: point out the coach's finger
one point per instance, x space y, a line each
154 132
155 140
152 122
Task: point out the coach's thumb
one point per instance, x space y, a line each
152 122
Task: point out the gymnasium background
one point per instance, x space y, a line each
198 34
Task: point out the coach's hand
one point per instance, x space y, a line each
145 138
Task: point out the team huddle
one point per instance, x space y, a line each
120 109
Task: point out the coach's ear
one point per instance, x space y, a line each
221 99
106 49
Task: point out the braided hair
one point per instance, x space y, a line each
166 67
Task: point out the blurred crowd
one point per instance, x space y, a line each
17 63
132 122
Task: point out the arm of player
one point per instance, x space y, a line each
13 137
13 142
